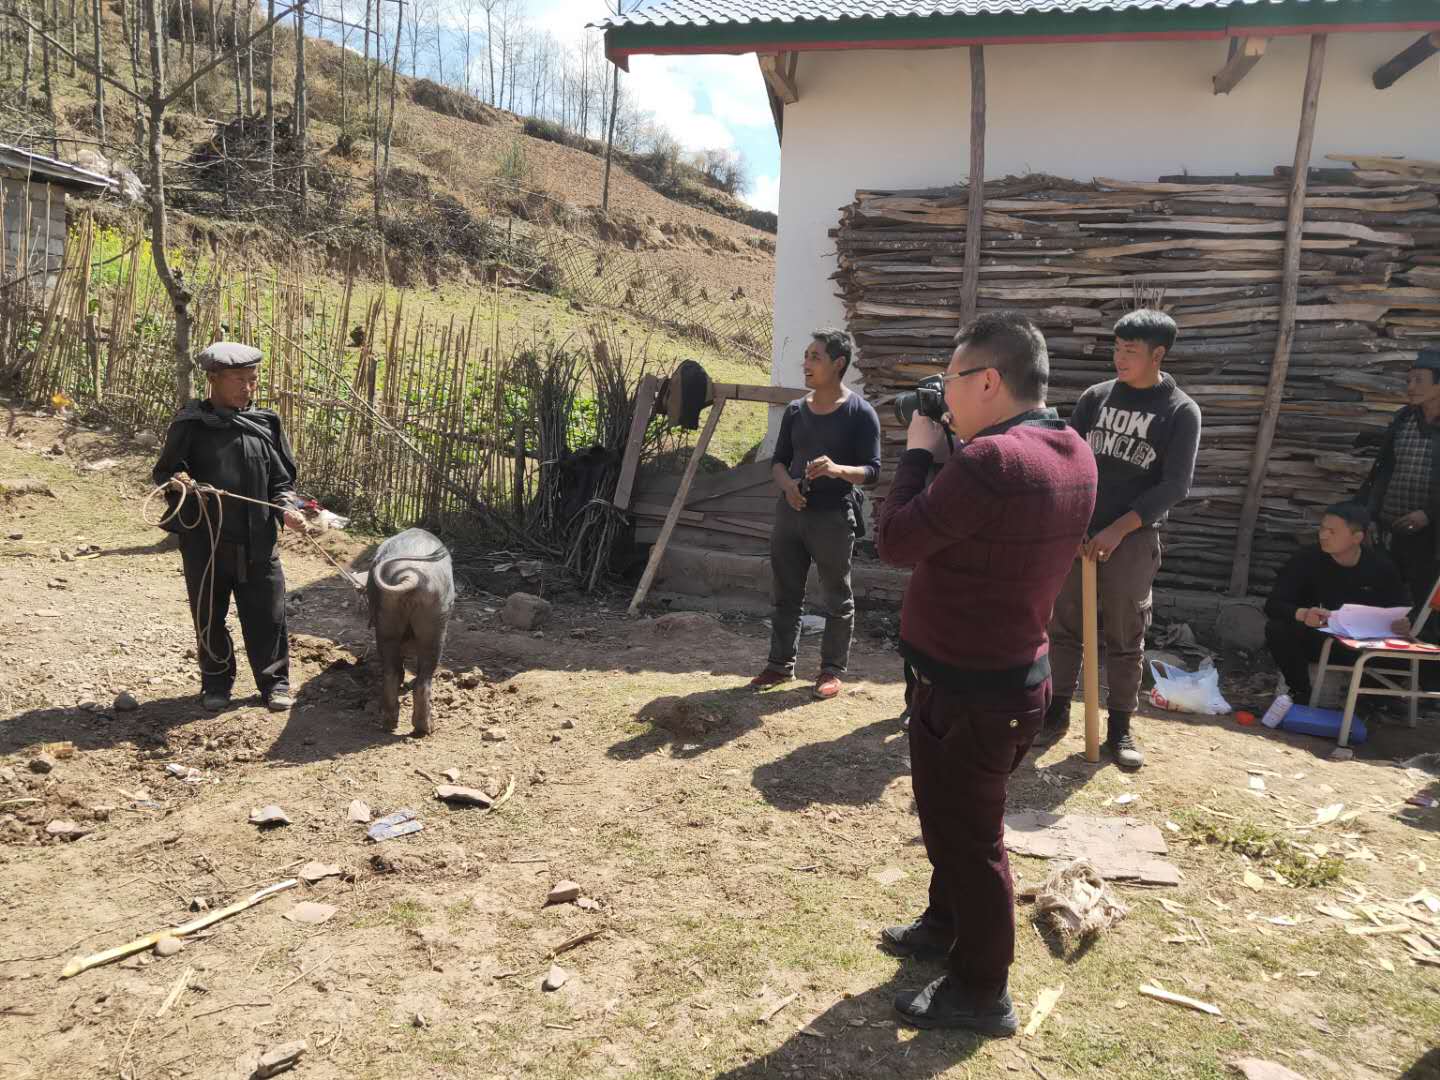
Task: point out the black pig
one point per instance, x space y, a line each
411 591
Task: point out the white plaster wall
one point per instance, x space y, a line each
1134 111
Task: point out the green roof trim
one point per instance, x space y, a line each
1295 15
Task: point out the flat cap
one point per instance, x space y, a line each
1429 360
224 355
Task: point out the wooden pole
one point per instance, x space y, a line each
1285 334
1090 614
975 216
677 504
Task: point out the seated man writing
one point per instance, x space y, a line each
1340 569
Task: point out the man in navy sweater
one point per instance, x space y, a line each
1145 433
990 542
829 444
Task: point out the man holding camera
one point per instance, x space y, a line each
829 443
990 542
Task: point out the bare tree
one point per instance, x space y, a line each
153 103
99 67
300 118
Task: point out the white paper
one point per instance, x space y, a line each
1365 623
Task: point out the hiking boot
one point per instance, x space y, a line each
1126 751
944 1005
827 686
214 701
1057 723
279 701
768 678
922 939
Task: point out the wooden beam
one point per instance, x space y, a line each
773 395
1285 333
635 440
1245 53
657 552
975 216
1406 60
779 72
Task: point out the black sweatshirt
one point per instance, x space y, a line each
1144 443
1313 579
848 436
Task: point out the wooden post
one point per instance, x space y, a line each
658 551
1090 616
635 440
1406 61
1285 332
975 216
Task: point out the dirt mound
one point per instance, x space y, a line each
447 102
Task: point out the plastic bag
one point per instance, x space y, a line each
1179 690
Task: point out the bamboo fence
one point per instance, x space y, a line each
1075 256
396 415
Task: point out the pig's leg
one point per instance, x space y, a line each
392 667
428 644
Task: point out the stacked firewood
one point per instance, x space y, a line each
1076 256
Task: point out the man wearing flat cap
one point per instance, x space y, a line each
1403 491
229 549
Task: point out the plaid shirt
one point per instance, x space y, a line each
1409 487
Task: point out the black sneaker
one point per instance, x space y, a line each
1126 751
214 701
942 1005
921 939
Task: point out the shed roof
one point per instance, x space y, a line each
23 164
735 26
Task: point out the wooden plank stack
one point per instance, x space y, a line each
1075 256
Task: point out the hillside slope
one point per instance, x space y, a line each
458 169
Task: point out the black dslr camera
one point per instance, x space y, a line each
928 399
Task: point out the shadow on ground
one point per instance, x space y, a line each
858 1038
1427 1068
697 723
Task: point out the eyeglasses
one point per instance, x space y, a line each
961 374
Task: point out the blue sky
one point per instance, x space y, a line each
705 101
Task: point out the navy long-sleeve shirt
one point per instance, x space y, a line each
848 436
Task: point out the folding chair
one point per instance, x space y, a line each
1409 648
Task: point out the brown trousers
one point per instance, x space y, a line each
1124 582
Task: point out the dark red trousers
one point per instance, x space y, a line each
963 748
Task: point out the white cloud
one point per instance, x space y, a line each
764 193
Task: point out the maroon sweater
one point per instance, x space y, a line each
991 542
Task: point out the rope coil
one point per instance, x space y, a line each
213 526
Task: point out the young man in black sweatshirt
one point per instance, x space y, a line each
1144 432
1340 569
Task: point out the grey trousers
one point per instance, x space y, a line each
1123 584
798 538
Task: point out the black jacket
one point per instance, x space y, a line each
244 451
1372 492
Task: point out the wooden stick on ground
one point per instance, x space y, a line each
1161 994
657 552
85 963
1090 618
1285 333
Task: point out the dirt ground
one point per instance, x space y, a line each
738 870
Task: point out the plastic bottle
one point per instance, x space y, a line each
1278 708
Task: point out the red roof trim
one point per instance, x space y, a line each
621 56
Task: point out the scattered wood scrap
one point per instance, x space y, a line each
85 963
1159 993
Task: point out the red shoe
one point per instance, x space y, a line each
827 686
768 678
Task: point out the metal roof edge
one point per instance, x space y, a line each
53 169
